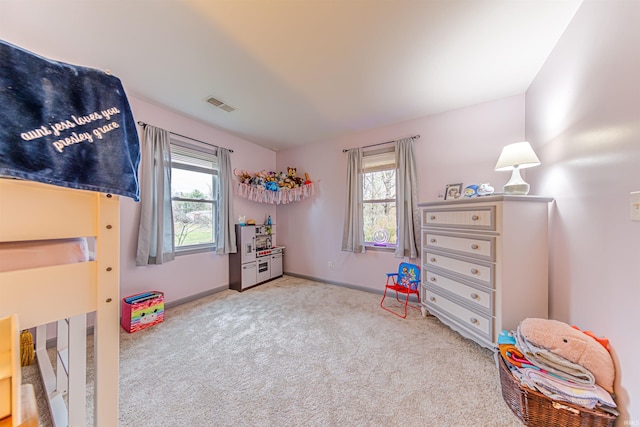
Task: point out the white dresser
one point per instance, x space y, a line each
485 263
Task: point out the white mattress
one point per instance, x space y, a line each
42 253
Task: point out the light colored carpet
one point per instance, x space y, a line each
293 352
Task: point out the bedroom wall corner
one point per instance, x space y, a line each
457 146
194 274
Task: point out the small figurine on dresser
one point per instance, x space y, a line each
476 190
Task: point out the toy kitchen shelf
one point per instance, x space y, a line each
257 260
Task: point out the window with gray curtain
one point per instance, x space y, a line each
194 196
381 200
155 232
186 197
202 195
379 219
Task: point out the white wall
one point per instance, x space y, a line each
458 146
582 114
193 274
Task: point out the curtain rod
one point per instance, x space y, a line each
143 124
380 143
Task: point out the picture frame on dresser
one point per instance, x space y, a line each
453 191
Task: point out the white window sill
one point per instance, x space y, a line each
372 247
194 250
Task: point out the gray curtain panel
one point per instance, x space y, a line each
353 235
155 233
407 197
225 231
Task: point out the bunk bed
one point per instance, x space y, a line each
69 150
65 293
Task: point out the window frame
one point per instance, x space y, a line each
391 164
185 148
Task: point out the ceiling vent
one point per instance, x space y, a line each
220 104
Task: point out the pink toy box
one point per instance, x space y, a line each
142 310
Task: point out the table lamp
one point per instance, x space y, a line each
514 157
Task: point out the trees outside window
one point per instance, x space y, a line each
193 196
379 198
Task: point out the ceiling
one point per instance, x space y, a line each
299 71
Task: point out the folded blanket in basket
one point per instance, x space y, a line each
556 388
573 345
65 125
551 362
509 351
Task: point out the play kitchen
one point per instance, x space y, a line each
257 260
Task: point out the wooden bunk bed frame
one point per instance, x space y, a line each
66 293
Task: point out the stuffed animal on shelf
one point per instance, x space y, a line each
307 180
271 186
257 181
244 176
280 179
292 180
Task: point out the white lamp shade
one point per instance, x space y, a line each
518 155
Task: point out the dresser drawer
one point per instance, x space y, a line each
482 299
479 324
481 218
478 247
482 273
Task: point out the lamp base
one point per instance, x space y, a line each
521 189
516 185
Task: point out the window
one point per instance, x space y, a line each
379 198
194 182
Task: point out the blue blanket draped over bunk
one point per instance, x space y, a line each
66 125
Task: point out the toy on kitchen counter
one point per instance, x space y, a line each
476 190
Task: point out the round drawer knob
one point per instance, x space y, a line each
474 246
475 296
432 217
473 320
433 240
433 279
475 271
432 260
433 299
475 217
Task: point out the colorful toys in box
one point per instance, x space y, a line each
142 310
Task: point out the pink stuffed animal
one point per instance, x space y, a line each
573 345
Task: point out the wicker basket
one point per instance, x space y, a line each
535 409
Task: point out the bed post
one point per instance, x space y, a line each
107 326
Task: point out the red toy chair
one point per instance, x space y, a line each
406 281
